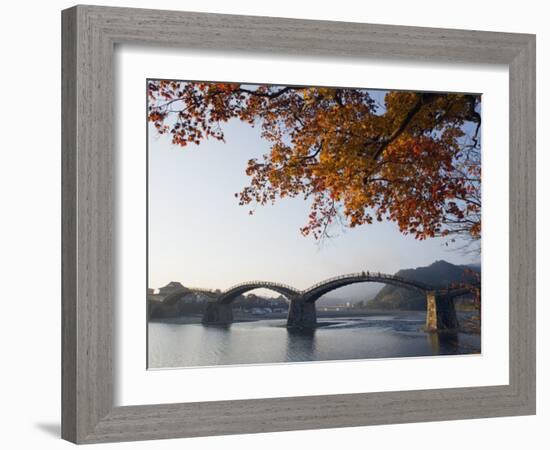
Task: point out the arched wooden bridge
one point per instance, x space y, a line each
440 307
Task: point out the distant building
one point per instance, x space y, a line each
171 287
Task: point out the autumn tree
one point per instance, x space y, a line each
413 160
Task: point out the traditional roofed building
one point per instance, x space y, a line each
171 287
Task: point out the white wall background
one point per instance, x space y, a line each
30 222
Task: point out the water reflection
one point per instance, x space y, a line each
444 343
300 343
269 341
217 327
212 336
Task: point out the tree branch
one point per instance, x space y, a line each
420 101
270 95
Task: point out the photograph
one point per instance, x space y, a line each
307 223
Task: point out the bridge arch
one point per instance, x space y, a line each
316 291
229 295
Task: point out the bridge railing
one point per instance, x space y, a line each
260 283
368 274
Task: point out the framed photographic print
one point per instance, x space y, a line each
348 156
266 222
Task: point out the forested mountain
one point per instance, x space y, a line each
438 274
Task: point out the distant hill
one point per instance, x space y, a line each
438 274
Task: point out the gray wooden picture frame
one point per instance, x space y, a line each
90 34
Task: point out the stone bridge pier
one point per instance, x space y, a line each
440 312
301 313
216 313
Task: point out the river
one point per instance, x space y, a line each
387 335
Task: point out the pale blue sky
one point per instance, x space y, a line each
200 236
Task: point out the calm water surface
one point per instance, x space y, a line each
269 341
